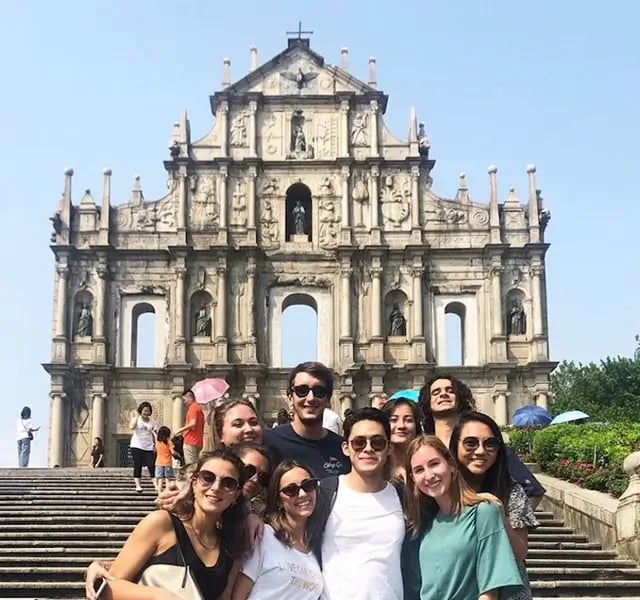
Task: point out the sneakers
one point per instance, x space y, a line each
138 489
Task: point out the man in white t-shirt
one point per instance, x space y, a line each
363 535
331 420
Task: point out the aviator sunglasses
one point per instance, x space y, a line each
490 444
378 443
228 484
319 391
293 489
262 477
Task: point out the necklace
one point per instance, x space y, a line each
215 545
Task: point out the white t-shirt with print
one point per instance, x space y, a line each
361 546
282 573
22 429
142 436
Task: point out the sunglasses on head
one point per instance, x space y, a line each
490 444
228 484
319 391
250 472
293 489
378 443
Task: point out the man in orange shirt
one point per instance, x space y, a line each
193 429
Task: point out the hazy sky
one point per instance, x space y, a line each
97 84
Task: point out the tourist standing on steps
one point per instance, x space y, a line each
282 417
477 445
143 443
97 454
24 436
282 565
193 429
164 458
304 439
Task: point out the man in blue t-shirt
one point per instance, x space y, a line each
304 439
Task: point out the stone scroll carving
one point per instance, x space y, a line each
395 198
150 216
329 224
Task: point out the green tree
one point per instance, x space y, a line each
609 391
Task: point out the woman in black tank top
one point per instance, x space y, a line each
207 534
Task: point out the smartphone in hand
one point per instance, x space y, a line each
99 587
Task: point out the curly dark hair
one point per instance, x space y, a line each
232 527
464 397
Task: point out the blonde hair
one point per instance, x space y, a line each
420 507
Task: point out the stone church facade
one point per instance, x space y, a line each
299 194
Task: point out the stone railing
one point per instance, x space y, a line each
613 523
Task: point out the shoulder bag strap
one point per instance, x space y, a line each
179 548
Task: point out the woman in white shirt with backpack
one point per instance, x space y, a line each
24 436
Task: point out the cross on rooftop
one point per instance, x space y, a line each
299 32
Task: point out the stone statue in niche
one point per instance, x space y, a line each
359 135
203 321
517 321
360 197
298 213
423 141
397 322
85 322
269 224
299 140
239 206
299 147
239 130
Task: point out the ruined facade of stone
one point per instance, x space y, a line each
299 194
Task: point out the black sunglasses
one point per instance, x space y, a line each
293 489
228 484
378 443
490 444
319 391
250 472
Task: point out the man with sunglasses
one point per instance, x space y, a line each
364 526
443 399
305 439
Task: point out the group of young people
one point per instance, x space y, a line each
415 501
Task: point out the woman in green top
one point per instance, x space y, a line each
461 550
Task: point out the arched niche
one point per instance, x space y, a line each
201 315
299 219
83 314
142 326
143 320
299 329
516 318
396 312
461 310
454 324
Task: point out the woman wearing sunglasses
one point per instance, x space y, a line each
283 567
207 533
458 548
257 474
476 442
404 418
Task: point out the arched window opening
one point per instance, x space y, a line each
143 335
299 217
299 330
454 321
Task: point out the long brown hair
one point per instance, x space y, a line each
421 509
274 514
220 413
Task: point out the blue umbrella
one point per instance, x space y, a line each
413 395
531 416
570 415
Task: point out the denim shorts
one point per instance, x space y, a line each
164 472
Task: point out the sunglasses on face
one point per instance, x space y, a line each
473 443
378 443
293 489
250 472
319 391
228 484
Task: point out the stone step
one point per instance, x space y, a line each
106 520
56 534
552 530
587 588
19 553
97 503
27 572
38 511
569 562
36 590
571 573
560 537
578 554
567 545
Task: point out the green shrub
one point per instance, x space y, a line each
521 440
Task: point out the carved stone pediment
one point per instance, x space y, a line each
158 215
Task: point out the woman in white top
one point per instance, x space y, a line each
143 443
24 436
282 566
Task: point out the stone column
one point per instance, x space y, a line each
224 128
253 107
101 272
542 400
376 317
345 302
345 198
344 128
223 197
373 110
97 415
373 195
627 523
181 274
56 443
61 301
415 201
177 412
496 298
182 198
501 410
221 314
251 199
418 327
536 271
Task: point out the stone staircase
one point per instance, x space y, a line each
54 522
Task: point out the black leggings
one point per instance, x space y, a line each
142 458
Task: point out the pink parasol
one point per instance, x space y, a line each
209 390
